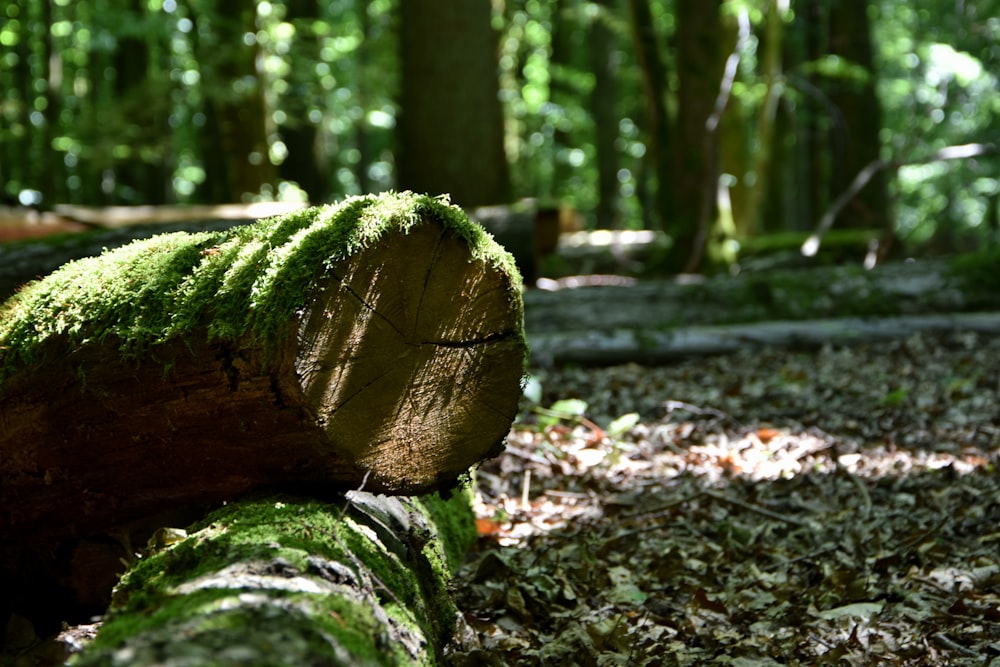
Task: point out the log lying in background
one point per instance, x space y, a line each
293 582
529 231
376 342
647 346
25 223
125 216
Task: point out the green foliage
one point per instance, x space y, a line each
105 101
566 409
938 87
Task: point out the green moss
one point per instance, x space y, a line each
409 580
246 281
456 523
275 625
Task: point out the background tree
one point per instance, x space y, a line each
858 105
236 129
657 118
305 162
695 155
604 59
450 126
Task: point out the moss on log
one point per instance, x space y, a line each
292 582
376 342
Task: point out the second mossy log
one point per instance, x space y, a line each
289 581
377 343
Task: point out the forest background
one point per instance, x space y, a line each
720 123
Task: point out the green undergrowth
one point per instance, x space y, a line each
247 281
979 276
329 576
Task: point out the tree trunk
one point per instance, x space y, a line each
654 85
774 79
857 103
292 582
647 346
304 164
602 103
139 94
235 108
450 124
658 321
375 342
563 56
695 157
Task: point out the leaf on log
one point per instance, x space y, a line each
378 342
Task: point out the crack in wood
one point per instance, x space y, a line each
365 303
473 342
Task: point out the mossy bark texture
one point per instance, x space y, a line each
292 582
374 343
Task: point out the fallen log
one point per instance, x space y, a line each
375 342
125 216
644 346
922 287
528 231
295 582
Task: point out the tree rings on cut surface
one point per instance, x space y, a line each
411 357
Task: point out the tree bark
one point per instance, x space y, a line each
235 144
602 104
858 105
305 163
450 123
654 85
695 151
285 581
377 342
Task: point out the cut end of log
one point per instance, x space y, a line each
410 355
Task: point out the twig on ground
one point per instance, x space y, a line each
757 509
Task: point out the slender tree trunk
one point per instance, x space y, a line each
304 164
15 149
733 142
138 180
50 174
695 159
654 84
566 27
603 108
450 124
819 118
235 102
362 133
850 38
771 70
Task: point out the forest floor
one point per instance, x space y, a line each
834 507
